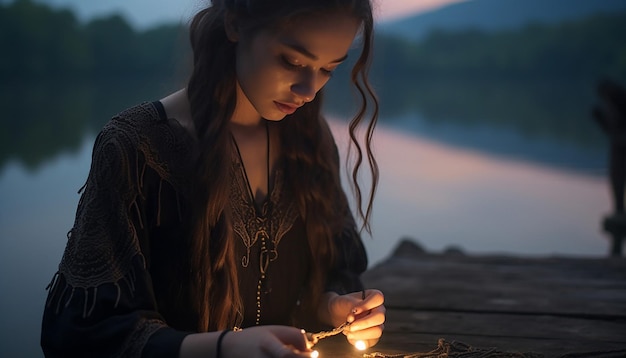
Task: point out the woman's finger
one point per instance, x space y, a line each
373 318
373 299
365 334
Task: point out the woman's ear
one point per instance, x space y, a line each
231 27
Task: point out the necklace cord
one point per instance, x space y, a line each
264 232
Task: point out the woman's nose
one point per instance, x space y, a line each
305 86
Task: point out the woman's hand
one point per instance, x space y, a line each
260 341
266 341
365 312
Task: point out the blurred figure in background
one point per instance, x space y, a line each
611 117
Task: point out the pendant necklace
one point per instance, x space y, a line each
263 234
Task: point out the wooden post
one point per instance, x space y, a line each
615 225
611 117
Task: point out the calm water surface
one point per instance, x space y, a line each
444 196
437 194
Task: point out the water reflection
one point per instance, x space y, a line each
510 144
446 196
41 120
36 211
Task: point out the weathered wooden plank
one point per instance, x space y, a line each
526 333
552 306
547 336
558 286
503 325
543 346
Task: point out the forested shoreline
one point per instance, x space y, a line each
45 42
57 72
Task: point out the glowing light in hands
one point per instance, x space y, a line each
360 345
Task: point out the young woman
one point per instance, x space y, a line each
220 207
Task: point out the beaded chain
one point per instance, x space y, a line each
262 234
264 259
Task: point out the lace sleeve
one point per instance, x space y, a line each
101 301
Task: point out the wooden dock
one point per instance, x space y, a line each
496 306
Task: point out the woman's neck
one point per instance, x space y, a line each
245 115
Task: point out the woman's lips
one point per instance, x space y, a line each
286 108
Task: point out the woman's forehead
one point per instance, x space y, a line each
329 36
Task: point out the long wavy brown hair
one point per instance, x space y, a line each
210 276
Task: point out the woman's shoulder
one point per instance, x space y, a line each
144 130
141 118
141 113
147 124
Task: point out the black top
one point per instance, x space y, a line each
108 297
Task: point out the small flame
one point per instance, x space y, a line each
315 354
360 345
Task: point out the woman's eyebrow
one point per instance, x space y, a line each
308 53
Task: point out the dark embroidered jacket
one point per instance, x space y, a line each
107 299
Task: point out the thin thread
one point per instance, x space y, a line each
143 172
119 294
52 286
136 206
61 299
85 304
95 297
159 203
455 350
70 298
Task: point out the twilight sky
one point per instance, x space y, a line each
392 9
146 13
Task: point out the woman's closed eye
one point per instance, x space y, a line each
293 64
327 72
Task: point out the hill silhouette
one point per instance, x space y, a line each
495 15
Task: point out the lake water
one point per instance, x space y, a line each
432 190
445 196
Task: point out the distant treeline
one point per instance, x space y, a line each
40 41
590 48
61 79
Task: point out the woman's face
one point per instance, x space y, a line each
278 72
